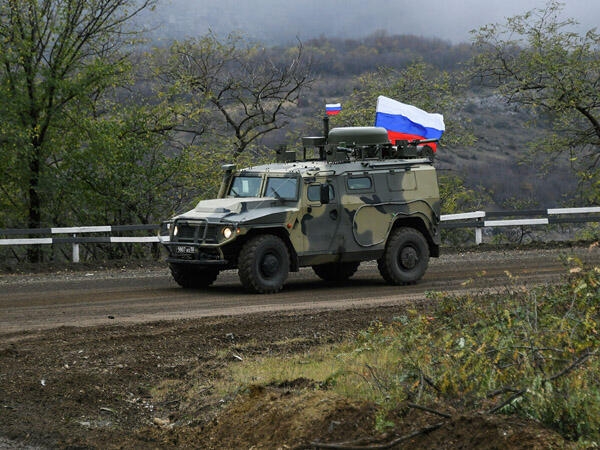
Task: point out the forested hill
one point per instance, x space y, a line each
338 56
281 22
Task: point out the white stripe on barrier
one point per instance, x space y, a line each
93 229
134 239
462 216
512 222
25 241
33 241
591 209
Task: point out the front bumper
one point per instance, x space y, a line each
197 241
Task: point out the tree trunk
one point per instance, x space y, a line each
34 252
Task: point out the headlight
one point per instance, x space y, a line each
227 232
175 230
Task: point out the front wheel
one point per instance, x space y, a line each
405 258
264 264
193 277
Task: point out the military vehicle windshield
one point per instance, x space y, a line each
245 186
283 188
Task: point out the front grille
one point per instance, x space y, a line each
196 232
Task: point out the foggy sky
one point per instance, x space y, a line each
284 20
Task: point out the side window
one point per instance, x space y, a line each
359 183
314 193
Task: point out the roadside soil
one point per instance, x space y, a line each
155 385
152 386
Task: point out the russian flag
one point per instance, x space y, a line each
333 108
407 122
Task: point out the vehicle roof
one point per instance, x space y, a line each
312 168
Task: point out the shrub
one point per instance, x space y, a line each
531 352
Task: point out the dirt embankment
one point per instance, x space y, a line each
153 386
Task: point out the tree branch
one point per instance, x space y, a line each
521 392
433 411
393 443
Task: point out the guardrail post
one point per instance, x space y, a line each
75 250
478 235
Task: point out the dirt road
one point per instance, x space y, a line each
123 358
97 297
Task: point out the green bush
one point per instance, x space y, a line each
532 352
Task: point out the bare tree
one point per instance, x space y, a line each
250 93
539 61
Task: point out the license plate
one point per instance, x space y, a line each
184 250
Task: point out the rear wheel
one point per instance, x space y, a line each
193 277
264 264
406 257
336 271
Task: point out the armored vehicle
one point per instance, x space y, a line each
346 197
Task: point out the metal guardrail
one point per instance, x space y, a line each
477 219
75 239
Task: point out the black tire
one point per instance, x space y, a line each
406 257
264 264
336 272
193 277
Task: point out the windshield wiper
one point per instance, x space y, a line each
276 194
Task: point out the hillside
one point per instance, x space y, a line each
501 161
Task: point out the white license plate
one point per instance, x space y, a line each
184 249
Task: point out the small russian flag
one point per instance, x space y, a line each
333 108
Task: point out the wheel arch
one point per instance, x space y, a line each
418 223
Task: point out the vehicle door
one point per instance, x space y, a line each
320 221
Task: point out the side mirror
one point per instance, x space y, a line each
228 170
325 194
